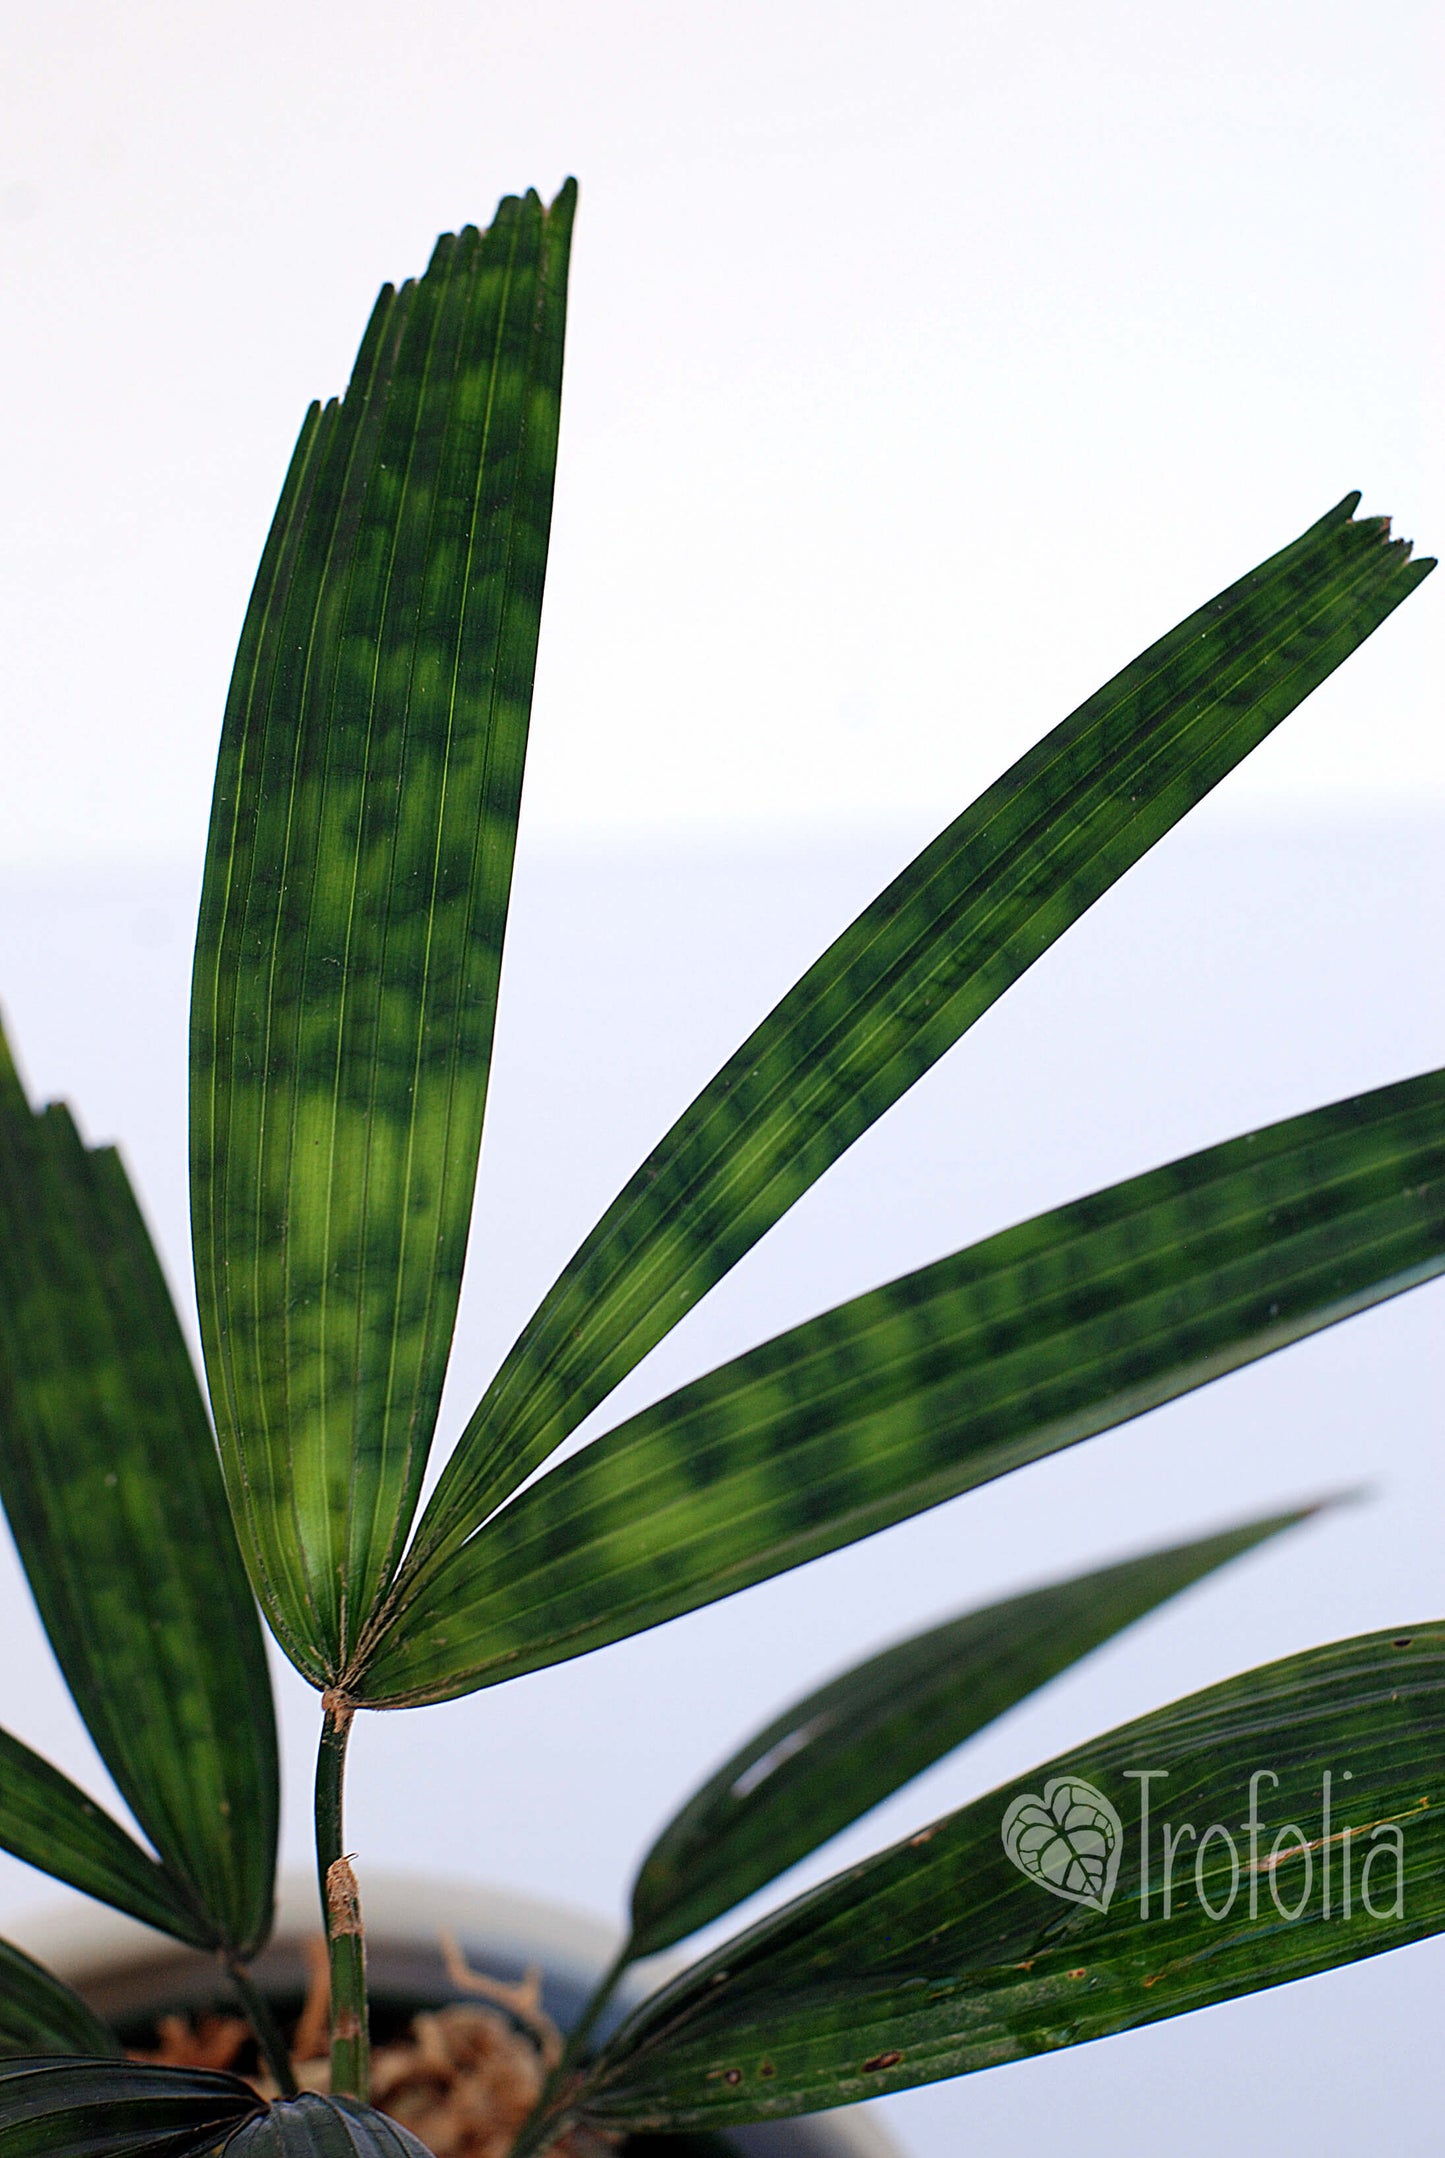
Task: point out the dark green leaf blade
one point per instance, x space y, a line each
353 911
944 1954
916 969
49 1822
316 2127
833 1756
40 2015
1023 1344
116 2109
114 1495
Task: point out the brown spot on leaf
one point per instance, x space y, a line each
733 2075
766 2068
881 2060
1076 1974
1404 1641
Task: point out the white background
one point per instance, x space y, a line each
924 366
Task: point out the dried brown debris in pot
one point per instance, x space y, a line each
463 2080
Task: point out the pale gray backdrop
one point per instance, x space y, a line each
925 362
1250 967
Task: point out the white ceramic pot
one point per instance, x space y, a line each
127 1972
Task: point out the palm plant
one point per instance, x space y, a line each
345 985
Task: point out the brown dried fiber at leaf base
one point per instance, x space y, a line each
197 2042
463 2080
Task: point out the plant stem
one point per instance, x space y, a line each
268 2033
582 2030
539 2131
341 1908
544 2114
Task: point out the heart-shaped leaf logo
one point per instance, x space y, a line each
1069 1841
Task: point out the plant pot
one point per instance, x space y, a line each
130 1975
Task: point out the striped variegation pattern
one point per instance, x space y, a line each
1028 1342
315 2127
917 968
354 906
80 2108
49 1822
831 1757
40 2015
1307 1805
114 1498
117 2109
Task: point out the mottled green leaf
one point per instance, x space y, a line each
313 2127
116 2109
353 911
1025 1343
40 2015
49 1822
831 1757
110 1480
918 967
945 1954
